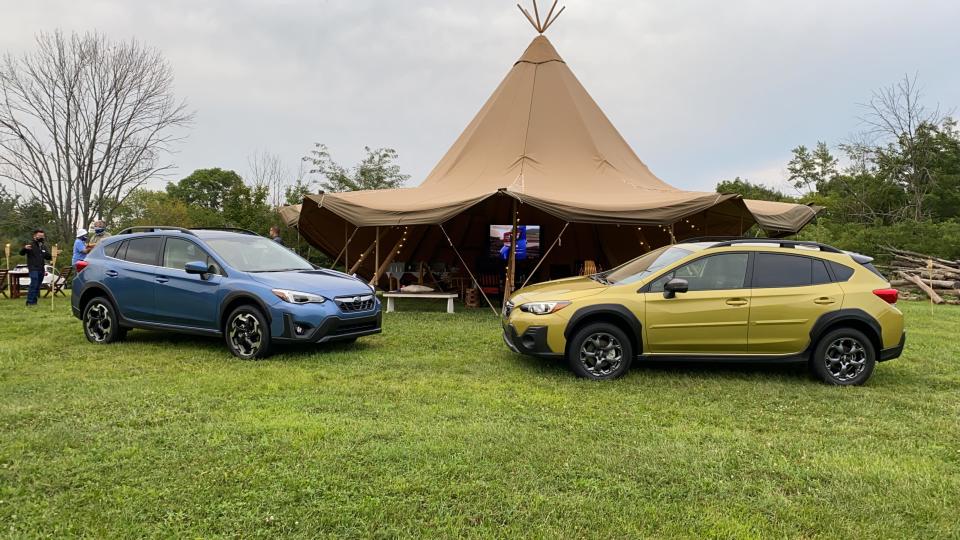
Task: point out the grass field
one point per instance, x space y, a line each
434 429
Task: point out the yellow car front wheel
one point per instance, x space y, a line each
600 351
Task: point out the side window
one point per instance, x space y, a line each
143 250
842 272
177 253
713 273
820 274
776 270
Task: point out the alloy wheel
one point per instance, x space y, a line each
601 354
845 358
246 334
99 323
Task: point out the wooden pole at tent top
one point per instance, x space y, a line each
366 252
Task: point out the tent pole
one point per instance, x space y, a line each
512 261
467 268
673 239
390 256
537 267
332 266
366 252
346 247
376 259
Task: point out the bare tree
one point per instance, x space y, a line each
266 169
899 122
83 121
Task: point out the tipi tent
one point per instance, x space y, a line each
539 152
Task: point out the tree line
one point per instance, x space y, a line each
896 182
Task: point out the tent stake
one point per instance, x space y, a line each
467 268
537 267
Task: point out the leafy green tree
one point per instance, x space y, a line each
377 170
809 170
294 194
146 207
749 190
220 198
206 188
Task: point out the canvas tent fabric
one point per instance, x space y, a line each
542 142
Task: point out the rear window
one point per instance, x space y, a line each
113 249
143 250
842 272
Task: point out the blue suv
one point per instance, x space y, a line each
217 282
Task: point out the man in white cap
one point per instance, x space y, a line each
80 246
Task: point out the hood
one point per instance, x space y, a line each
561 289
327 283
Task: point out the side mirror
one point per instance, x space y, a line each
674 286
197 267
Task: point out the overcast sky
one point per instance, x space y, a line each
703 91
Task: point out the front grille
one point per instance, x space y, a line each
507 308
350 328
352 304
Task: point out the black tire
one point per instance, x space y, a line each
101 325
584 352
247 333
844 357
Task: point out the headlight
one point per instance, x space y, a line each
297 297
543 308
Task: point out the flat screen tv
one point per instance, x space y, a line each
528 242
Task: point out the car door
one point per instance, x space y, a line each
790 292
186 299
711 317
130 277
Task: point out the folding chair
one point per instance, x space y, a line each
59 282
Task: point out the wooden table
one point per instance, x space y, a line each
390 296
13 279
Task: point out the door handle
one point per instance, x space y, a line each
736 302
823 300
112 273
161 279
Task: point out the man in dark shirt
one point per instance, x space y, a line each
37 257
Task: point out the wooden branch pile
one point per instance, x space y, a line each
913 273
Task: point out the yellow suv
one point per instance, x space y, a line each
738 300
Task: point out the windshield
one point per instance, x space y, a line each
646 265
257 254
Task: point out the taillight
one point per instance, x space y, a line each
887 295
81 265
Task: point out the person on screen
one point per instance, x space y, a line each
521 244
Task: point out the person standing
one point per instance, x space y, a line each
80 249
99 233
37 256
275 235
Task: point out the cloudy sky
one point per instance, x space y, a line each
702 90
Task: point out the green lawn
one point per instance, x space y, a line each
434 429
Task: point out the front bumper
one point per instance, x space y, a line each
894 352
533 341
332 328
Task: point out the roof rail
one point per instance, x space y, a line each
228 229
780 243
154 228
714 239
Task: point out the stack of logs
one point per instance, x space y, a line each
913 273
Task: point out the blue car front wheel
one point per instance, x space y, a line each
247 333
